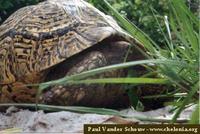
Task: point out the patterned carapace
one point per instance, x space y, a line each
37 37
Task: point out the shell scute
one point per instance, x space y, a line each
41 36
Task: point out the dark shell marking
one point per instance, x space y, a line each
37 37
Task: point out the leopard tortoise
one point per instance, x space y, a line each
56 38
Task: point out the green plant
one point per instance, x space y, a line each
195 116
103 111
139 12
177 62
183 47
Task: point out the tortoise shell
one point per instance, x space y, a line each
38 37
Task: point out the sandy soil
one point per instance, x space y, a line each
26 121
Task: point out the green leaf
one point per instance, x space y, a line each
135 32
181 12
195 116
103 111
109 68
185 102
121 81
11 131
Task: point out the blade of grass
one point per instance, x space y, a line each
184 23
186 100
169 45
185 10
11 131
82 75
195 116
121 81
103 111
165 96
133 30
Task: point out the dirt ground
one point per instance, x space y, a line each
25 121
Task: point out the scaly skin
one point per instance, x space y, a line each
101 95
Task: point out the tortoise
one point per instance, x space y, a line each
56 38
